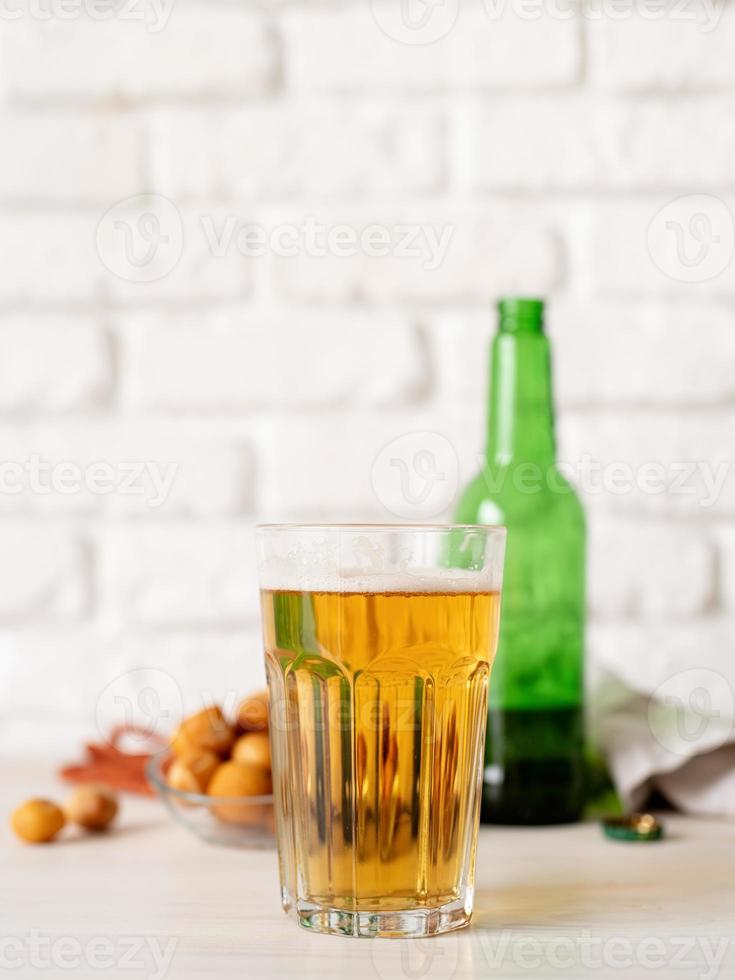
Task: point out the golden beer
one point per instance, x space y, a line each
379 701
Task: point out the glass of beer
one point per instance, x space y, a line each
378 647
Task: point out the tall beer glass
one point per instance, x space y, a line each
378 646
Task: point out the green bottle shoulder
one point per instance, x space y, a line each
503 495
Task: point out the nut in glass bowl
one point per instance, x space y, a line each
236 821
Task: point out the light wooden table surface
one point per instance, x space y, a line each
150 901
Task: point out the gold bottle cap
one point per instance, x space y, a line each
633 826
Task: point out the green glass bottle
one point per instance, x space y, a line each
534 763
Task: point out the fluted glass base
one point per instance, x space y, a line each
408 924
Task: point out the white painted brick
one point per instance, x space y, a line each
537 142
227 360
61 677
310 148
46 672
185 145
66 156
726 552
333 49
48 257
185 575
43 574
581 141
207 666
648 570
332 460
482 252
688 143
642 353
152 471
53 256
51 363
301 146
626 458
186 669
492 46
459 347
198 242
686 47
204 49
622 262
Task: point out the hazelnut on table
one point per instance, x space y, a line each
92 807
38 821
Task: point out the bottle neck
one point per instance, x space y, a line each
520 417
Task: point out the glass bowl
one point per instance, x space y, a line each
240 821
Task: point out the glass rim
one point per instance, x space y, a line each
484 528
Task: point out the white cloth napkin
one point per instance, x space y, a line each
666 720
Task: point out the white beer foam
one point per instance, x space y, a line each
288 576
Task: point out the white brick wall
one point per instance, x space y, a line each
66 156
300 147
588 141
681 49
44 575
435 255
348 48
217 49
228 361
48 363
301 311
182 575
